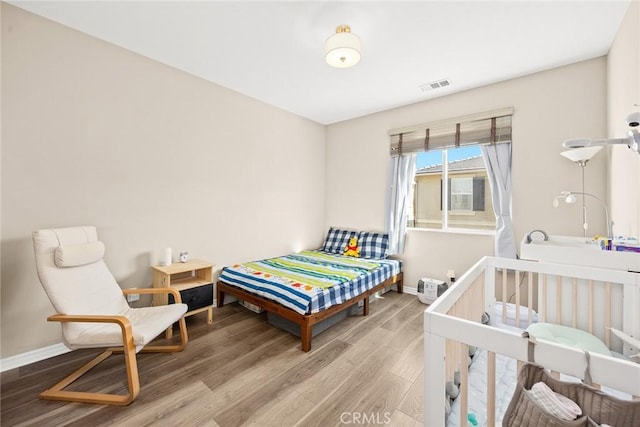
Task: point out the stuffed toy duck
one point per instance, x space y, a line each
352 248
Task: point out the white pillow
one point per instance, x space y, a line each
76 255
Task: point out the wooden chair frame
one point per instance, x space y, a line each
57 392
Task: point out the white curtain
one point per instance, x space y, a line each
402 171
497 159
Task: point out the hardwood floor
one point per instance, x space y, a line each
242 371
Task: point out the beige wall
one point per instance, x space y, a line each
154 157
550 107
623 90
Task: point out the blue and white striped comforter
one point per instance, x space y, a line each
310 281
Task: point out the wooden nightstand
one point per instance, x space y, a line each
193 279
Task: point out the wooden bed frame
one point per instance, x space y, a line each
306 321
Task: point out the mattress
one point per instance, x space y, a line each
506 379
310 281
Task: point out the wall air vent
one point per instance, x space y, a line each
435 85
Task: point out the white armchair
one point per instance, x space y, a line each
93 310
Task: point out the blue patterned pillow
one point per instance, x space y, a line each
373 245
337 240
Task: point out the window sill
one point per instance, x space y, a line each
453 231
462 213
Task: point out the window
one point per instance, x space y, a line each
460 173
461 190
450 189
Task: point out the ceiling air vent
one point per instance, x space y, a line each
435 85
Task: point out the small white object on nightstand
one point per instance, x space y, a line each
165 257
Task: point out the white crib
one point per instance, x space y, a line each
581 297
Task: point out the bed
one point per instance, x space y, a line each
308 287
597 301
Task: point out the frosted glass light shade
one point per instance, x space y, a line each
583 154
342 50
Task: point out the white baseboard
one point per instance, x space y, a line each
33 356
409 290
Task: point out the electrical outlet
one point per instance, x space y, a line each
133 297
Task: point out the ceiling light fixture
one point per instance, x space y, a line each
342 50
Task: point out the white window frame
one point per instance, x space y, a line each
445 206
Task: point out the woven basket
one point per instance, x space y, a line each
597 406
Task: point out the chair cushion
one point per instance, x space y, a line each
146 324
76 255
77 281
83 289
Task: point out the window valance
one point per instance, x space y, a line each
493 127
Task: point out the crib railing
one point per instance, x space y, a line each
582 297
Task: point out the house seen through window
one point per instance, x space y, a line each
460 173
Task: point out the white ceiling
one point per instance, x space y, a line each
274 51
